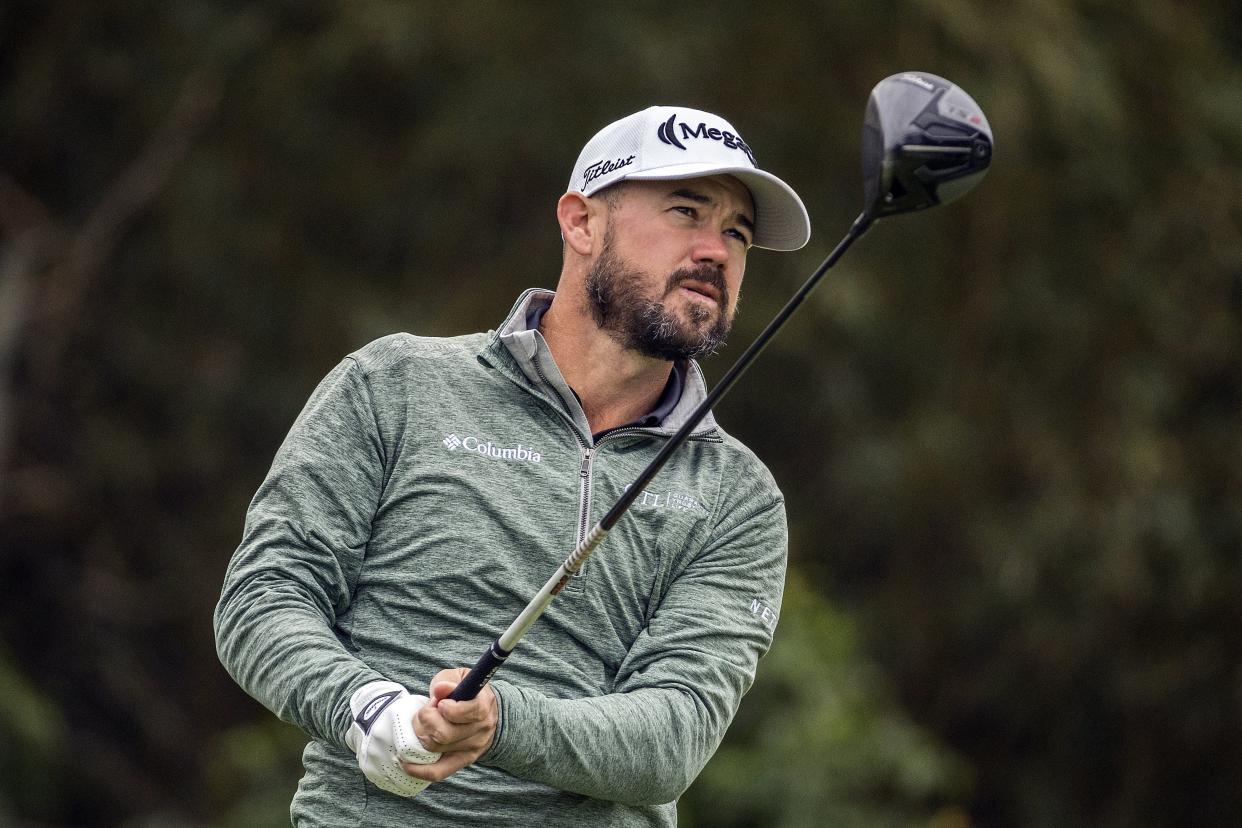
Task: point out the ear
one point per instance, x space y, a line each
574 212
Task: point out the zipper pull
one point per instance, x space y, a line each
585 470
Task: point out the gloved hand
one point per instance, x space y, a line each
382 736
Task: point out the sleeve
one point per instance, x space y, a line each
295 571
679 686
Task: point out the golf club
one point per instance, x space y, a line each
925 142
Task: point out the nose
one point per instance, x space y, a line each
710 247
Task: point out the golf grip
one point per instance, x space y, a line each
481 673
495 656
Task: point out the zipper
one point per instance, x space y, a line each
585 487
584 467
588 451
698 437
584 495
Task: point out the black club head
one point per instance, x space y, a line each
925 142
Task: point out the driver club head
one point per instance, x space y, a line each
925 142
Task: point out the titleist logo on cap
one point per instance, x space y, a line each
603 168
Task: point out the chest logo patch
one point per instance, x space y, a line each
676 501
518 453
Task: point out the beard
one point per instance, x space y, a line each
640 323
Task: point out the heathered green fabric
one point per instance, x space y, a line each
384 544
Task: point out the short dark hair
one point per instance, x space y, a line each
612 194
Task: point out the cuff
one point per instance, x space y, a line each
343 717
507 699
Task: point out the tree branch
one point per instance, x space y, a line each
133 191
37 243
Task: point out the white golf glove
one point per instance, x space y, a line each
382 736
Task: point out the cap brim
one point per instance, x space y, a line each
781 220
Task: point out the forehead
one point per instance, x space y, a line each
724 190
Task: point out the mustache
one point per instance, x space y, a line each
704 273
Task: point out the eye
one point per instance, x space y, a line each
739 235
686 210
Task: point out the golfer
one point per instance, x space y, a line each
431 485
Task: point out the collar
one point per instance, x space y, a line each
664 406
520 338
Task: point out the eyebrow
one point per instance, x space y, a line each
699 198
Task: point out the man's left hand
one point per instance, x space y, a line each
459 730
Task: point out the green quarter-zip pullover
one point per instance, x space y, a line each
427 490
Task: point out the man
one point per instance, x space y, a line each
430 487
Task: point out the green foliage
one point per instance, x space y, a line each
820 739
33 732
253 771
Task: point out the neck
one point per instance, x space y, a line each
615 385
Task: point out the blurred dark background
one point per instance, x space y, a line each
1007 429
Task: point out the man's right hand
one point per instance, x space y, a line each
382 736
462 730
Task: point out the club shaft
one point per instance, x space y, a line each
495 656
731 377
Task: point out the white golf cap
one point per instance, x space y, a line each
664 143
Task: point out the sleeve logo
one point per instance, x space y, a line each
765 613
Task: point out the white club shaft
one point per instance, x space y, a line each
509 639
